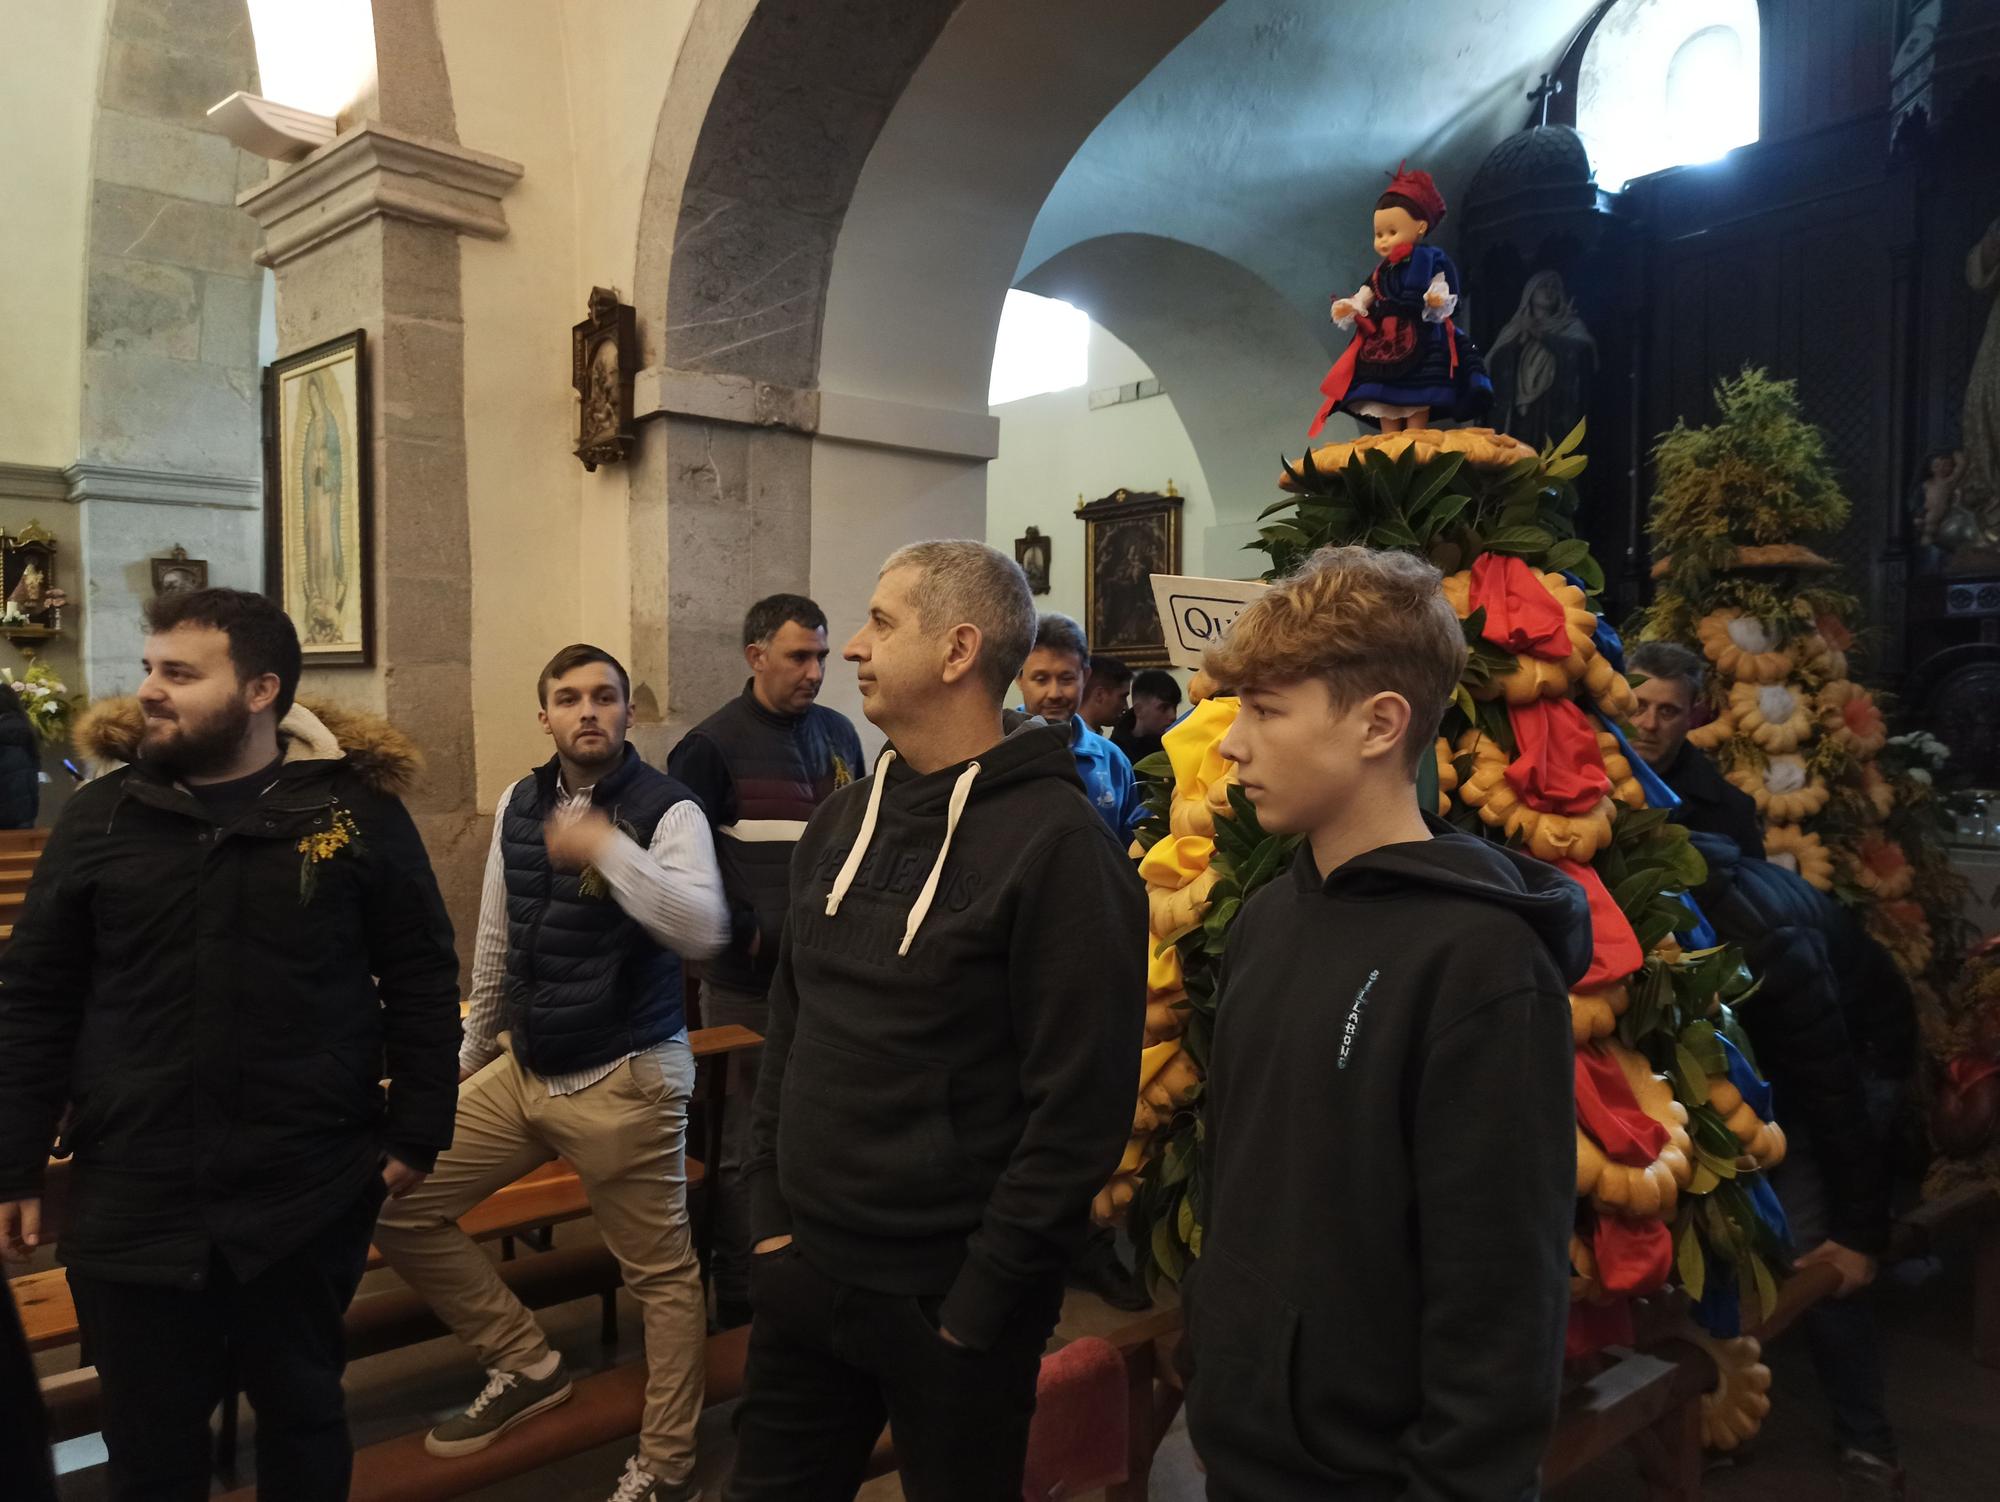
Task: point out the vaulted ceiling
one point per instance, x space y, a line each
1209 217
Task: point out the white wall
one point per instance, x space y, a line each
1054 448
48 98
573 93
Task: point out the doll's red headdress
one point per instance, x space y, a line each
1420 190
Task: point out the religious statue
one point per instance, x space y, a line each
1978 496
1937 487
26 594
1542 365
322 507
1408 360
1032 553
604 355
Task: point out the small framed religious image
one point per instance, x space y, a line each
1129 536
33 599
1032 553
318 533
179 574
603 358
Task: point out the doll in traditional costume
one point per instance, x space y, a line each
1409 361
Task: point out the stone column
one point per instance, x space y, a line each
364 234
167 450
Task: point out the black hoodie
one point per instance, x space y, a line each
1390 1169
954 1034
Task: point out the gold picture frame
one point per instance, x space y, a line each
318 530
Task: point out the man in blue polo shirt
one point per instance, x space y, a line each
1052 683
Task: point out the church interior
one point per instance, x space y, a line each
466 329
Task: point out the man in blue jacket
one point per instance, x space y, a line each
1053 682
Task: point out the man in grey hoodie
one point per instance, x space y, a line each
955 1026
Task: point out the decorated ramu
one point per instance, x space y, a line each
1674 1126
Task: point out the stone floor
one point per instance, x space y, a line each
1946 1408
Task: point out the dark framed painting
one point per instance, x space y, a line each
177 573
318 532
1032 553
1129 536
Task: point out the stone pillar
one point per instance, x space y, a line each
168 443
364 234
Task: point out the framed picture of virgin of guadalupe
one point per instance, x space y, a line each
1129 536
317 528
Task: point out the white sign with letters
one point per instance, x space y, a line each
1197 613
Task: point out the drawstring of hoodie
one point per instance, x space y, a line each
961 791
854 857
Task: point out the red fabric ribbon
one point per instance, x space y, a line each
1632 1256
1592 1327
1521 615
1608 1110
1966 1070
1614 947
1558 768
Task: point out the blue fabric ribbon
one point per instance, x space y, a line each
1720 1310
1770 1209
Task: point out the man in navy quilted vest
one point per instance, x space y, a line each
760 765
600 882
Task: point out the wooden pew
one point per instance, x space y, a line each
603 1407
608 1406
386 1321
23 841
549 1195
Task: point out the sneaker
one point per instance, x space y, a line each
505 1400
641 1485
1096 1268
1870 1478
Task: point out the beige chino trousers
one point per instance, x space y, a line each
626 1138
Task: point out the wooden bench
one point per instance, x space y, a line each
609 1404
603 1407
387 1321
547 1196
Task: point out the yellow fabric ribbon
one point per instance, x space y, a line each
1193 746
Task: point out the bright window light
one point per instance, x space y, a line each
1707 94
1044 346
1666 83
316 55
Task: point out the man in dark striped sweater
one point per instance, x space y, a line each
760 765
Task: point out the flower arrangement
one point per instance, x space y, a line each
45 699
322 845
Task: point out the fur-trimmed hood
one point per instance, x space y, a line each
107 734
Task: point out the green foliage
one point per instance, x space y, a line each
1758 475
1445 509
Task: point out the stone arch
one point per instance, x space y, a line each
1229 349
837 202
